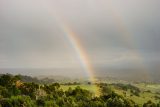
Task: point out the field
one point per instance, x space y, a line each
148 92
91 88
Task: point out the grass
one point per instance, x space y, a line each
92 88
143 98
144 95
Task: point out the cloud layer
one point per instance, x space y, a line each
115 34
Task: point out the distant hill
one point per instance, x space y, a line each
101 73
25 78
129 74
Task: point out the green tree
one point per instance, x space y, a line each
29 89
149 104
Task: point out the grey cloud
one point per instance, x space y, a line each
31 36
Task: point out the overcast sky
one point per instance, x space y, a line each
114 33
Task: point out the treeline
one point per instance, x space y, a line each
15 93
25 78
134 90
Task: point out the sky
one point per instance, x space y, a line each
115 34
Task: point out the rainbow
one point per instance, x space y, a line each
81 52
128 40
82 55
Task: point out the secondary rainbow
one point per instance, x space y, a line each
128 39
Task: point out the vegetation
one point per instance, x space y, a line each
15 93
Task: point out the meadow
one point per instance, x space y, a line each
147 92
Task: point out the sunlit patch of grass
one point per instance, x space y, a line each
143 97
148 92
92 88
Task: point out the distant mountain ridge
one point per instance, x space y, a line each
57 75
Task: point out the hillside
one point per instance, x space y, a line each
17 93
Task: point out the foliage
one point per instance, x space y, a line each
149 104
15 93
